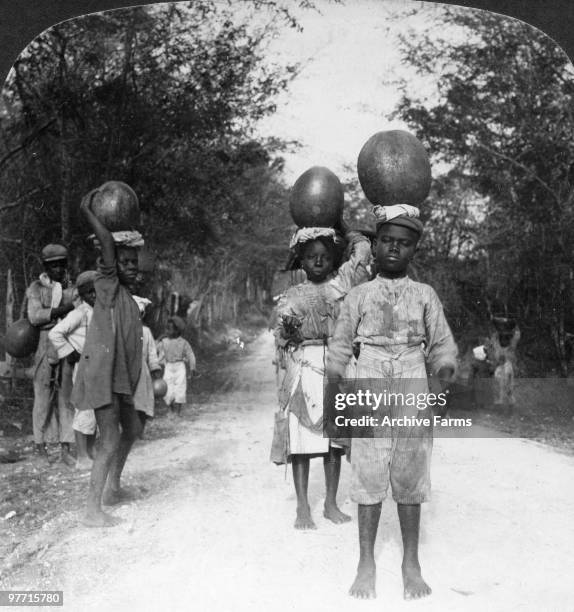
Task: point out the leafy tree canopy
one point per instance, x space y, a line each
501 121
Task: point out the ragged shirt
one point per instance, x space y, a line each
394 314
112 357
39 306
316 305
172 350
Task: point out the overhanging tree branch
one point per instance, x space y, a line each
26 141
522 167
15 203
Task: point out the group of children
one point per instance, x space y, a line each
115 360
339 326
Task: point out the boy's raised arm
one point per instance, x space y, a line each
103 234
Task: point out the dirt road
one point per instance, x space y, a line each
218 537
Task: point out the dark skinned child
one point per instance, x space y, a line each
177 355
110 367
306 315
400 326
68 338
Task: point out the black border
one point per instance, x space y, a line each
22 20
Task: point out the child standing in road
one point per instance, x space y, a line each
306 316
176 353
110 366
397 323
68 338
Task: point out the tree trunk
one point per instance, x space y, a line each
67 177
9 321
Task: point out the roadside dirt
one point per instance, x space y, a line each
212 529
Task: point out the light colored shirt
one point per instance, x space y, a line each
69 334
172 350
316 305
395 314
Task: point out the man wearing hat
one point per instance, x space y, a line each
49 300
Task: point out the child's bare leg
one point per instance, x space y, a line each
142 416
83 459
91 445
131 428
301 481
65 455
364 585
332 465
414 585
108 423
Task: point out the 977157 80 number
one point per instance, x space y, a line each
31 598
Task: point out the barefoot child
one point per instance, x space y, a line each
144 398
397 323
306 318
110 366
68 338
176 353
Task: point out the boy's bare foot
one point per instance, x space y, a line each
414 585
84 463
100 519
304 520
365 582
113 497
333 513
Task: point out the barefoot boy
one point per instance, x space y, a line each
109 369
68 338
397 323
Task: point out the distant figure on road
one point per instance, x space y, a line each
504 358
176 353
480 379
